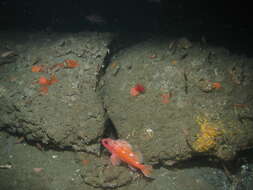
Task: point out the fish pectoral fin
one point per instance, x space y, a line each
115 160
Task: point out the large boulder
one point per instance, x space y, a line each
67 113
197 100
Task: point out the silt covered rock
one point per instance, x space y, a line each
197 100
58 104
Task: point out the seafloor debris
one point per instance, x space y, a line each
38 170
70 63
7 54
182 43
6 166
237 75
208 86
166 98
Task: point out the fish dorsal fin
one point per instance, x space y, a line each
124 143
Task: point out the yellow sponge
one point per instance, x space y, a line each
207 136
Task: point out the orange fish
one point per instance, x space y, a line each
137 89
122 151
70 63
216 85
38 68
44 81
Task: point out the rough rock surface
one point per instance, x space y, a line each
101 174
197 100
70 114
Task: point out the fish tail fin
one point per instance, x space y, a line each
146 170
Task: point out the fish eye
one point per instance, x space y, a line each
105 141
